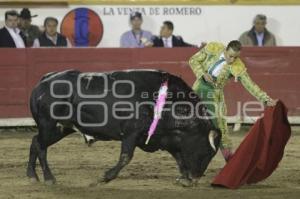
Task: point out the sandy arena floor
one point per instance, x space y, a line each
148 175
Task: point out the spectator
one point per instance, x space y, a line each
167 39
51 38
10 34
136 38
259 34
30 31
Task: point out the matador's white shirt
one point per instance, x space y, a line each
216 72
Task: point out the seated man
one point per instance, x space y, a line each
259 34
167 39
137 37
51 38
30 31
10 34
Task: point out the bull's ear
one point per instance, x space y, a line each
213 137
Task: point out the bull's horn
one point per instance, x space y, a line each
211 138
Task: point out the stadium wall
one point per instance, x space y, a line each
276 70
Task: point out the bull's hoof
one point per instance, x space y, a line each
33 177
109 176
179 178
50 182
195 182
93 184
31 174
184 182
100 181
34 180
105 180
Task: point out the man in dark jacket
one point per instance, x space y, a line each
10 34
167 39
51 38
259 35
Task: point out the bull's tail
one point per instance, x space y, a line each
34 106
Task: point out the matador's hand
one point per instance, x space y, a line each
208 78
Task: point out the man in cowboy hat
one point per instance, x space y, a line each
30 31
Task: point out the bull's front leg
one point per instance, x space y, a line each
113 172
182 167
127 151
185 179
188 176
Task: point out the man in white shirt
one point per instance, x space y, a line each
10 34
215 69
167 39
51 38
136 37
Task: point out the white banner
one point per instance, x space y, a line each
195 24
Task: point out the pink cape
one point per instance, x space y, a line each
260 152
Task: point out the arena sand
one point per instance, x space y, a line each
148 176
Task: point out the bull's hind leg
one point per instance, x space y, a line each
48 135
38 150
33 155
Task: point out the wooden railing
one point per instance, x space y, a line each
276 70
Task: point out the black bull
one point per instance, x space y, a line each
119 106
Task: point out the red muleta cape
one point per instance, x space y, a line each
260 152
